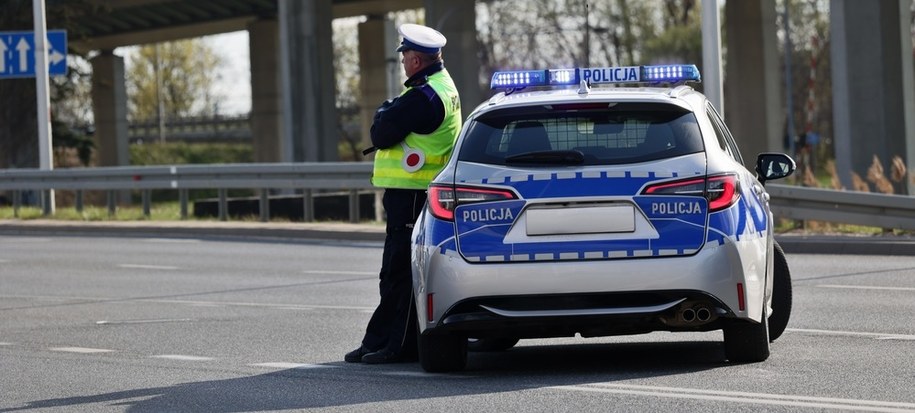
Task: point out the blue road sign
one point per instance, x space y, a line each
17 54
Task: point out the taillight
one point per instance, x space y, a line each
443 199
720 190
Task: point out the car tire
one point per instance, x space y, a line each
442 352
782 297
491 344
746 341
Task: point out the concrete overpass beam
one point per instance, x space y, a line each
872 86
266 102
109 105
306 38
457 21
753 92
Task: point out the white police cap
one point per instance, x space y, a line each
420 38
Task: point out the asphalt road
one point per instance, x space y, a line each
153 324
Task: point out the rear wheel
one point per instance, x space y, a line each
747 342
781 295
441 353
491 343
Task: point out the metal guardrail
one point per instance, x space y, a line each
307 177
869 209
847 207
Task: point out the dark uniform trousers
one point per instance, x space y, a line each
393 325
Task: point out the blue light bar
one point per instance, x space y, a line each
671 73
520 79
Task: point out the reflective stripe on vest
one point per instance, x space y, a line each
437 146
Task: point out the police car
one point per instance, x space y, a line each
575 203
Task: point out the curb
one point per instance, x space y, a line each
291 232
847 245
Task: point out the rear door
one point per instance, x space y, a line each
592 183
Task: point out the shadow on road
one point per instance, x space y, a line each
342 384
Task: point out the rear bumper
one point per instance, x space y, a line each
603 297
590 315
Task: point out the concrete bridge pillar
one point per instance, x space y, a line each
754 89
382 74
306 46
266 99
873 86
457 21
109 104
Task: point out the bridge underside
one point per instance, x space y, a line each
292 73
130 22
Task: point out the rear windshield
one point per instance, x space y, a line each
605 134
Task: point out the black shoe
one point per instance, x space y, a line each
381 357
355 356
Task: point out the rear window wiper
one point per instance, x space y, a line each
548 157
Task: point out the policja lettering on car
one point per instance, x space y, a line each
488 214
675 208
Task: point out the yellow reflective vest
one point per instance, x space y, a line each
390 172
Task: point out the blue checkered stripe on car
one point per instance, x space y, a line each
746 220
683 234
571 184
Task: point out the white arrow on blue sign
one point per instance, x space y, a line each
17 54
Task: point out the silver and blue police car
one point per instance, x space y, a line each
598 211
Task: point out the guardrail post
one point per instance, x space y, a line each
182 200
47 202
17 202
145 196
79 201
264 207
223 205
308 206
354 205
112 202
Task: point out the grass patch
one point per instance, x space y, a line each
166 211
784 226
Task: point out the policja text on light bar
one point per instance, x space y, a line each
519 79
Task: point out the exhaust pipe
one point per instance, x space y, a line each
692 314
688 315
703 314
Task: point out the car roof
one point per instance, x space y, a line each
683 96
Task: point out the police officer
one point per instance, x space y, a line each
414 134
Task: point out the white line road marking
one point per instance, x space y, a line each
161 320
281 365
4 261
5 344
182 357
82 350
147 267
195 303
339 272
172 241
866 287
744 397
267 305
878 336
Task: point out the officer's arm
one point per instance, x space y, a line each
414 111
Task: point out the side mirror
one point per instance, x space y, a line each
773 165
